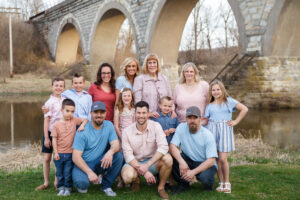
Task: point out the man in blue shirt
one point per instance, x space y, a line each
90 156
198 153
83 100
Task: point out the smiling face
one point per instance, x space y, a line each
98 117
106 74
152 66
216 91
165 106
67 112
131 69
189 74
58 87
126 97
141 115
78 83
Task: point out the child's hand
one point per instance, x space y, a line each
154 115
80 128
47 143
173 114
232 123
167 132
56 156
172 130
45 109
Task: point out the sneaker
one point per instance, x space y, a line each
61 192
109 192
82 190
67 193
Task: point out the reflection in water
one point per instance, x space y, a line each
22 124
279 128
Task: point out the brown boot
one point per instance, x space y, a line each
163 194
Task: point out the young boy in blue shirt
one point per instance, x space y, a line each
167 123
83 100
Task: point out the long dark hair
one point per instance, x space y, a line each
112 79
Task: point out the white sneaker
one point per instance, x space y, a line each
81 190
61 192
67 193
109 192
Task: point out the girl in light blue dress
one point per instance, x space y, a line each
219 113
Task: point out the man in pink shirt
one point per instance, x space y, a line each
145 150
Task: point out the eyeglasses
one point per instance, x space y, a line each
106 73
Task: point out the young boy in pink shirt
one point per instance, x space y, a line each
63 133
54 106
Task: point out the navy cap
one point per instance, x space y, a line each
98 105
193 111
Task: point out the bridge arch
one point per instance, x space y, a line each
105 31
166 24
69 40
281 37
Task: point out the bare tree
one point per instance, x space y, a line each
209 26
29 7
197 27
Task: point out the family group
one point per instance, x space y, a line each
135 126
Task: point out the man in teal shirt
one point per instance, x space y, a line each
198 153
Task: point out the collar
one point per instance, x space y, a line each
146 130
160 113
148 78
74 91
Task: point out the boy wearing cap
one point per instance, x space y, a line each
198 153
90 156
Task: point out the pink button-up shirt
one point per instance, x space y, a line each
147 89
139 146
54 105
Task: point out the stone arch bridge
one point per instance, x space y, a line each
271 27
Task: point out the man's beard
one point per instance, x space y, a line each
193 128
98 123
138 121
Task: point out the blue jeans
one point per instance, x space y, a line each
206 177
64 168
81 180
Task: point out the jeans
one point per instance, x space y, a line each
206 177
81 180
64 168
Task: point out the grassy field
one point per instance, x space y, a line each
262 181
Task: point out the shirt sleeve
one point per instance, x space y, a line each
206 114
91 91
54 131
161 141
65 94
176 137
138 88
79 141
175 94
210 147
231 104
113 135
119 83
205 88
127 150
78 121
49 106
90 102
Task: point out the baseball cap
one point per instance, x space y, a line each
98 105
193 111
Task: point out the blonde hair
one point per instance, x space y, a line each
185 66
224 96
150 56
120 104
125 63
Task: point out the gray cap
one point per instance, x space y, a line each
98 105
193 111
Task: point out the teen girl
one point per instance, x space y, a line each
219 111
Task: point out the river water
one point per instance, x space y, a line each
21 124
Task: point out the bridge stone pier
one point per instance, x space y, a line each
270 27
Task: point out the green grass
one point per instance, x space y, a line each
248 182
